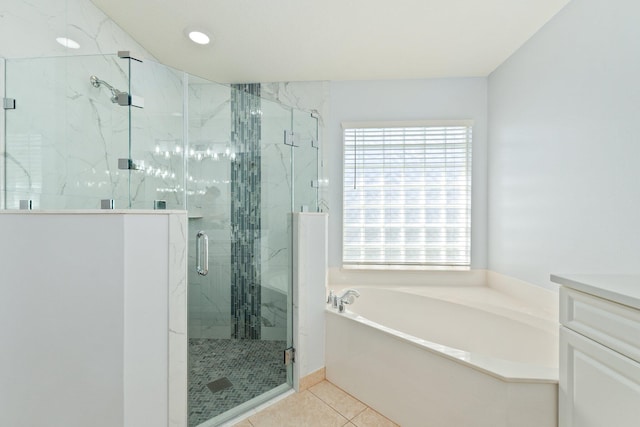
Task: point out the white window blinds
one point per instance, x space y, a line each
407 195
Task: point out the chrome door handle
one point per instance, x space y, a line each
202 251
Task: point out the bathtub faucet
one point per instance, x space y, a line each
348 297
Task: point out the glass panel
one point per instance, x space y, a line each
2 139
276 268
305 162
157 136
276 227
65 136
209 205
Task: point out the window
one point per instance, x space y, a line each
407 194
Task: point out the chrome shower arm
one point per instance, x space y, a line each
96 82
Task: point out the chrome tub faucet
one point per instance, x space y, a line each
339 301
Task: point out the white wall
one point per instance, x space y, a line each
564 181
93 310
63 341
432 99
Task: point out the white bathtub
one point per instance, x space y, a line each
447 356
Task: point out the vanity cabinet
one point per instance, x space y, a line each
599 351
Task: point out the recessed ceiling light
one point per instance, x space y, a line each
198 37
71 44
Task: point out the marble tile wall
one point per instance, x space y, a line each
177 320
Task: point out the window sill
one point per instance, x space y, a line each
356 275
406 267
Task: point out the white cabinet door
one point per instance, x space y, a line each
598 386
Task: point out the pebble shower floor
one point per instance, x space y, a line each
252 367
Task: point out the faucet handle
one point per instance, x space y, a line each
349 299
330 297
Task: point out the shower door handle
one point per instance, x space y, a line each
202 252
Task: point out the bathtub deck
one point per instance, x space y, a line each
490 300
493 301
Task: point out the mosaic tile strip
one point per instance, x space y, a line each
245 211
236 360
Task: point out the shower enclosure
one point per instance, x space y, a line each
84 132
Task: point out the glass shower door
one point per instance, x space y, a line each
237 194
208 184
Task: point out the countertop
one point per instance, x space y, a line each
620 288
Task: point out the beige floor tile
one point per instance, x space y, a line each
312 379
300 409
347 405
370 418
244 423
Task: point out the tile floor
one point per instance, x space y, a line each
235 361
322 405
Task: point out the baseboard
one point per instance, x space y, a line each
312 379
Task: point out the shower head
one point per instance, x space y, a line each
115 93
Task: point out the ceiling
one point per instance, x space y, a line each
303 40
